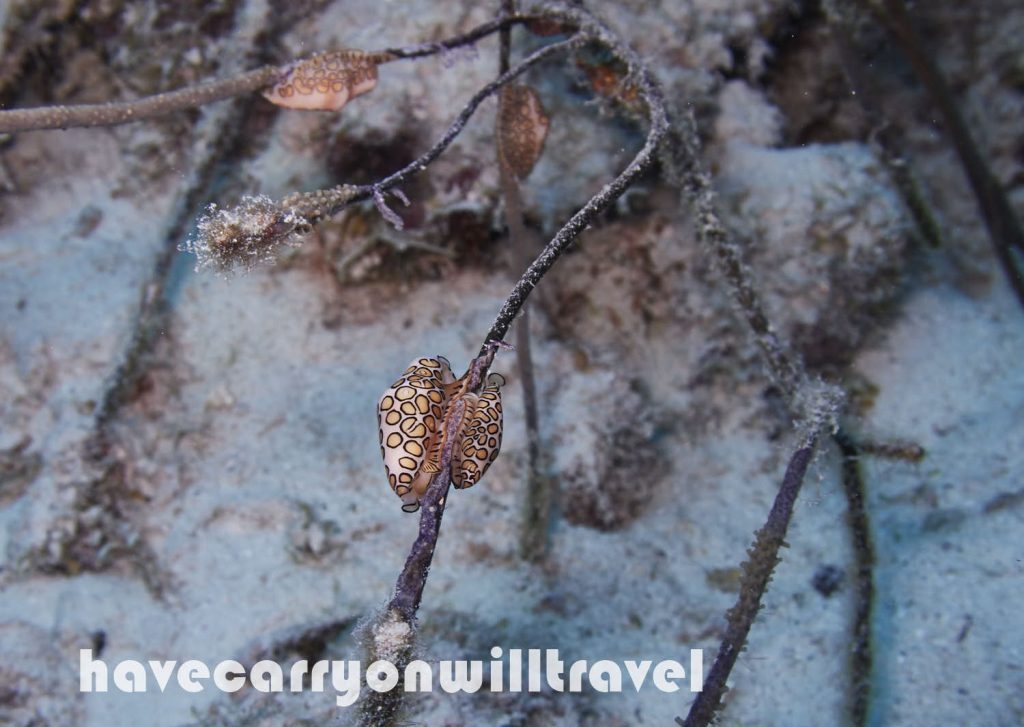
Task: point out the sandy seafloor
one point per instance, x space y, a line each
240 508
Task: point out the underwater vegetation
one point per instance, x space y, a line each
677 303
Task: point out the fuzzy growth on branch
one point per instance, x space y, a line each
221 241
814 406
762 558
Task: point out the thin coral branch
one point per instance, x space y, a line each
364 192
386 212
400 616
383 709
126 112
757 571
413 578
501 23
411 582
650 93
505 36
1003 226
685 163
814 406
151 107
538 497
864 595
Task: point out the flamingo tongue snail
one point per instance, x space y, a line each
326 81
428 416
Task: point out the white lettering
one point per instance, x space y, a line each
605 676
638 672
89 668
130 676
189 672
666 670
458 676
229 676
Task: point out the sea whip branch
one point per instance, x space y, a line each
399 618
414 574
861 656
757 571
161 104
813 405
149 107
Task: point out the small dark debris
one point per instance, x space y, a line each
99 642
944 519
1004 501
965 629
828 579
88 220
